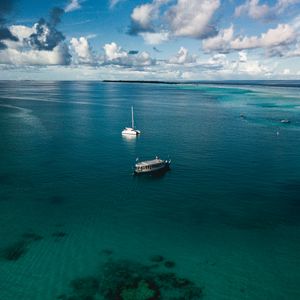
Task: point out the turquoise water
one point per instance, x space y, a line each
227 214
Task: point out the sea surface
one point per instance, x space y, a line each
227 214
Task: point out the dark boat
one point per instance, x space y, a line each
152 166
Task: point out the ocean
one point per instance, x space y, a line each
223 223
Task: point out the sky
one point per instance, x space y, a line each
177 40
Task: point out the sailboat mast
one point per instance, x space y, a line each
132 119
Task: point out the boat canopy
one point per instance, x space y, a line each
150 162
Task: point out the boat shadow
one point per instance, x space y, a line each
153 176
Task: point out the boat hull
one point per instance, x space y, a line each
131 132
161 169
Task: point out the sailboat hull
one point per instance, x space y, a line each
130 131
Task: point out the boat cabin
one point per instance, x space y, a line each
148 166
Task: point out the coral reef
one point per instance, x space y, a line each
130 280
86 287
59 234
31 236
143 291
15 251
169 264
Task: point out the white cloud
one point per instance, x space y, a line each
253 68
191 18
182 57
21 32
282 35
73 5
220 42
294 52
22 53
217 62
283 4
143 15
58 56
155 38
186 18
113 52
243 56
82 49
255 10
115 55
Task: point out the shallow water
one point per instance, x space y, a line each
227 213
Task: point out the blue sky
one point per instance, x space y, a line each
150 39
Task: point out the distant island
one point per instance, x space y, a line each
144 81
275 83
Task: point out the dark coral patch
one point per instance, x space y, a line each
169 264
59 234
31 236
130 280
15 251
107 252
192 293
142 290
85 287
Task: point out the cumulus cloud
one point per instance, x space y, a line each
192 18
155 38
281 35
59 56
157 23
143 16
241 67
83 50
283 4
220 42
255 10
243 56
253 68
41 44
294 52
73 5
115 55
274 38
21 32
46 36
182 57
5 33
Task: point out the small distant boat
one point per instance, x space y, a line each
152 166
285 121
130 130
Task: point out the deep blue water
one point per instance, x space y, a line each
227 214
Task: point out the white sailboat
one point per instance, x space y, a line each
130 130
